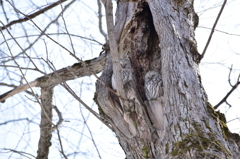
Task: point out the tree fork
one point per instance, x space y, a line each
159 35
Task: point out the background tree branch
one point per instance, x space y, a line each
230 92
69 73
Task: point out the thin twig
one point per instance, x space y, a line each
79 36
33 15
60 120
22 51
28 84
14 120
23 68
60 141
85 122
228 104
228 94
219 31
64 22
44 32
4 12
229 75
20 152
233 120
213 28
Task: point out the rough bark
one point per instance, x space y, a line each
46 123
159 35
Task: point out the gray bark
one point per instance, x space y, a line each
46 123
159 35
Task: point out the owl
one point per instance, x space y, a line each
153 85
126 72
154 89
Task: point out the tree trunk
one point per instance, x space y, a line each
158 36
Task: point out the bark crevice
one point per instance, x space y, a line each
138 48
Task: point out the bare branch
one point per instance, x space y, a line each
228 104
213 28
14 86
60 118
31 16
60 141
4 12
228 94
23 68
219 31
28 84
229 75
14 120
66 86
46 123
100 20
82 37
20 153
85 122
69 73
44 32
65 25
17 90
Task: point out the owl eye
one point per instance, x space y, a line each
151 77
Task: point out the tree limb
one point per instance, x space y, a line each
69 73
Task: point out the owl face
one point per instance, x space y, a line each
151 75
125 63
153 85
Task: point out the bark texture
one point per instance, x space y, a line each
46 123
158 35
